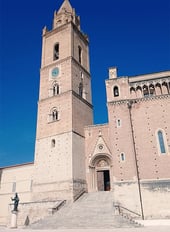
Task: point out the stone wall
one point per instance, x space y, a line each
154 201
15 179
156 198
31 212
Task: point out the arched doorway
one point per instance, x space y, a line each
100 173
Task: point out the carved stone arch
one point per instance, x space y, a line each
101 177
138 91
165 89
158 89
133 92
151 89
145 91
98 157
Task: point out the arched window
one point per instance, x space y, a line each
56 89
158 89
139 91
122 157
80 54
165 89
145 91
53 143
56 52
55 115
81 89
151 90
116 91
118 122
161 142
133 92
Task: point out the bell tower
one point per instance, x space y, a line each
64 109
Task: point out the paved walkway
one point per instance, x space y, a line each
141 229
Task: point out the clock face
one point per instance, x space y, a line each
55 72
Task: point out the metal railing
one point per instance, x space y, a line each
122 210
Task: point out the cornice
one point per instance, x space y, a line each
159 80
136 100
65 93
82 99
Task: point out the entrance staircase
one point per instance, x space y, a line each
92 210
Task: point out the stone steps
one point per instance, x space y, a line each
92 210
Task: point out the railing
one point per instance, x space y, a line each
127 214
56 207
121 211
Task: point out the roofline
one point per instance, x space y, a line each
17 165
151 73
97 125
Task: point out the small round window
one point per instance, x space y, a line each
100 146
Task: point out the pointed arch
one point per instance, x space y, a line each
98 157
100 169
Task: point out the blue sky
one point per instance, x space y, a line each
133 35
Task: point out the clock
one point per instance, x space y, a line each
55 72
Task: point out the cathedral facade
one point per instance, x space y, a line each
130 155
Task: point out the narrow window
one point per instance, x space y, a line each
161 142
31 184
116 91
55 89
145 91
81 89
56 52
14 187
80 54
118 123
122 157
151 90
54 115
53 143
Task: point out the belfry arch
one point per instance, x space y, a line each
100 169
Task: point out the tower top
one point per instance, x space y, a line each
65 7
64 15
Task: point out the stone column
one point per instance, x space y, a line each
14 219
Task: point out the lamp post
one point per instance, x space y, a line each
129 104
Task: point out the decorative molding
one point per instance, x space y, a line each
136 100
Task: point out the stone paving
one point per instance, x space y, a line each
139 229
